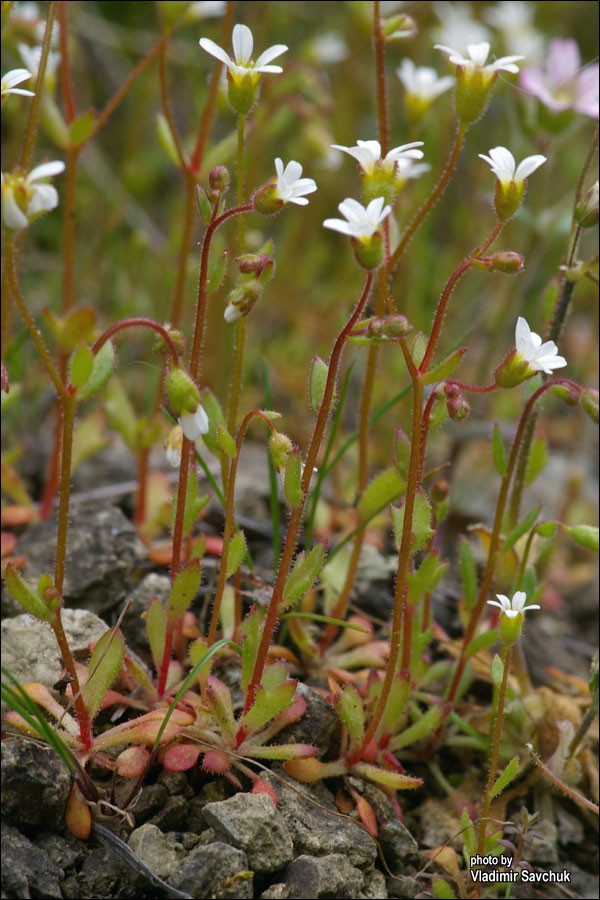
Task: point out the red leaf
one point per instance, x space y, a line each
367 815
181 757
216 761
261 787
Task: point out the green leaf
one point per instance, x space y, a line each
421 524
498 452
156 629
397 700
418 730
402 447
538 459
506 776
292 480
81 365
213 410
120 413
426 578
104 364
184 589
442 889
497 670
193 504
105 664
468 832
204 205
301 578
481 642
546 529
236 552
252 628
217 272
317 382
521 529
81 128
222 706
20 591
327 620
267 705
384 488
226 442
585 535
468 573
166 140
351 711
196 651
417 344
446 367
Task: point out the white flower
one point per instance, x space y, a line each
329 47
24 199
195 424
360 223
291 187
422 81
11 80
232 313
513 607
368 153
503 165
458 28
407 169
31 57
205 9
515 20
541 357
173 446
242 63
476 59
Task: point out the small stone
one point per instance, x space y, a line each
35 784
320 724
155 850
103 875
323 876
65 851
278 891
252 823
187 839
212 792
175 782
172 816
402 887
215 870
27 871
374 887
397 842
150 798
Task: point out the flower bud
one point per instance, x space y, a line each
440 490
458 408
567 394
507 261
160 347
173 446
512 371
219 180
369 253
259 264
241 299
389 327
279 446
589 401
266 200
184 396
586 211
451 390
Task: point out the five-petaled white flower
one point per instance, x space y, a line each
360 223
515 606
195 424
291 187
503 165
368 154
541 357
242 62
23 198
476 59
423 81
11 80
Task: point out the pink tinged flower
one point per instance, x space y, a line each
476 59
503 165
514 606
195 424
541 357
361 222
242 62
10 82
563 84
291 187
368 154
23 199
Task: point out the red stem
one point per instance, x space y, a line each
132 322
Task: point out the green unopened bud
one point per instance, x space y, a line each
266 200
511 627
259 264
369 253
381 182
508 197
242 92
586 211
472 93
584 535
589 401
280 447
440 490
184 396
507 261
458 408
219 180
567 394
399 28
512 371
241 299
389 327
161 348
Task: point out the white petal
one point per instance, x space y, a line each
21 91
495 603
195 424
454 56
506 64
15 77
510 613
352 210
531 606
232 313
12 215
338 225
522 335
518 600
479 53
43 199
279 167
216 51
529 165
293 171
300 201
243 44
269 54
268 70
46 170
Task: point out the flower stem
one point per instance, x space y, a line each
33 119
134 321
379 46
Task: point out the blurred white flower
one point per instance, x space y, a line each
31 57
195 424
407 169
291 187
477 57
360 223
329 47
23 198
514 19
11 80
242 62
205 9
541 357
514 606
457 26
503 165
422 81
368 154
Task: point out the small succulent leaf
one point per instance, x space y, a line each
521 529
236 552
402 448
497 670
279 751
468 573
81 128
292 480
181 757
105 664
397 700
419 730
184 589
442 889
426 578
81 365
274 675
394 780
468 832
446 367
139 674
252 628
18 588
481 642
584 535
421 524
417 343
351 711
78 817
104 365
215 414
268 705
132 762
76 326
216 761
537 460
156 629
308 770
307 567
196 652
319 371
367 815
498 452
506 776
226 442
221 704
382 490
